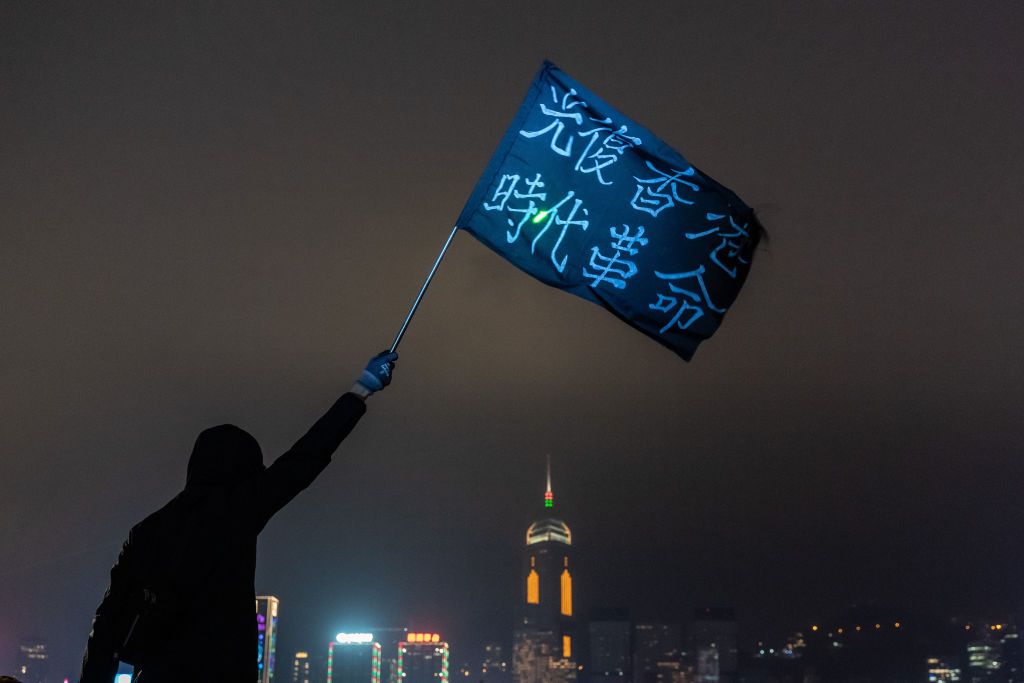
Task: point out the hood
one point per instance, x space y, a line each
224 454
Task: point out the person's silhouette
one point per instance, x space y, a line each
181 602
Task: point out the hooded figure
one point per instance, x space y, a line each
181 602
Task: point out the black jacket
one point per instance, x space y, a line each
189 567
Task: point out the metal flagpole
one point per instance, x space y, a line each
423 289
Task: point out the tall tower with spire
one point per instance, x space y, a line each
544 639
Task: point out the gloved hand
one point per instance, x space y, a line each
377 374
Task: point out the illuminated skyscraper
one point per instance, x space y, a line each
301 672
384 670
544 646
1011 653
982 661
423 658
266 637
940 671
354 658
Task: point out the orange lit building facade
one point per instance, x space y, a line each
545 647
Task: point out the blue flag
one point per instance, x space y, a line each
587 200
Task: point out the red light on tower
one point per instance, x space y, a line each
549 497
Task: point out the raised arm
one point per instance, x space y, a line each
296 469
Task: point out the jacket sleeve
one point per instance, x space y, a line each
111 622
296 469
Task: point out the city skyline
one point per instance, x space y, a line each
547 529
611 647
550 645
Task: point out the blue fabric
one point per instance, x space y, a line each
587 200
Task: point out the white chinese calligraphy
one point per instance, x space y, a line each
688 302
734 240
608 151
564 215
606 143
559 116
661 192
615 269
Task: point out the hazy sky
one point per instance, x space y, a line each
217 215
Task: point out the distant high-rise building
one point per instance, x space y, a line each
495 668
317 665
1011 654
544 645
714 632
354 658
302 668
657 652
997 656
941 671
982 661
388 638
266 636
33 661
423 658
708 665
610 658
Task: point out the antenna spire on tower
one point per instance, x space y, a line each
549 497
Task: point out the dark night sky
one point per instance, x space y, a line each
218 215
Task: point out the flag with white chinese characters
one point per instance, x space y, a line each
589 201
